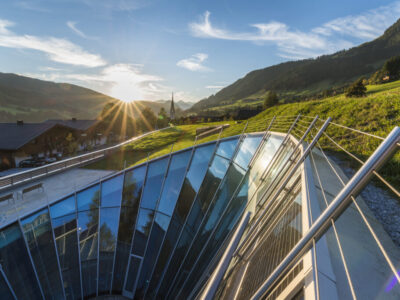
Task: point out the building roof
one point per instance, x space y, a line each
13 136
74 123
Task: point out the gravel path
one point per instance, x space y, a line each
384 206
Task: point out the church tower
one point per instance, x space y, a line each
172 110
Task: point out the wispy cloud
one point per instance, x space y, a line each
58 50
33 6
275 32
122 81
72 26
296 44
117 5
367 25
215 87
194 63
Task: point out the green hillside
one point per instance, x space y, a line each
296 80
36 100
377 113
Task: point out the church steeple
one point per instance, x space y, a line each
172 110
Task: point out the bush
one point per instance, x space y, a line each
270 99
357 89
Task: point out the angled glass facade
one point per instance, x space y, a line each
159 230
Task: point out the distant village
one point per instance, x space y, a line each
27 145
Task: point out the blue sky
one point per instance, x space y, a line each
145 49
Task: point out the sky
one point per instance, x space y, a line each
146 49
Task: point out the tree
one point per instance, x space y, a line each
162 118
357 89
391 67
147 120
270 99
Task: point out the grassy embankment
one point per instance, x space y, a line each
376 113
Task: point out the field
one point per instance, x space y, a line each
376 113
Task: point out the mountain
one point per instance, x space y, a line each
309 76
35 100
155 106
184 105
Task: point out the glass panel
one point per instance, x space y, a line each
275 173
142 231
227 148
228 221
134 267
39 236
156 237
246 150
154 180
213 177
108 237
133 184
264 159
89 198
207 190
173 182
88 222
64 225
111 195
111 191
4 290
231 182
63 207
193 180
198 166
16 264
170 239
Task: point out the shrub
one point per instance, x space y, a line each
357 89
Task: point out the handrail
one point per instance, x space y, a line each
24 176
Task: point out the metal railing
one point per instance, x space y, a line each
80 160
334 210
319 139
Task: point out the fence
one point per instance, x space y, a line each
25 176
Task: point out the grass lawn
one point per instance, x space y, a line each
155 145
376 113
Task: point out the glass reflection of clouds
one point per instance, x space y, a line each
227 148
198 165
173 182
246 150
64 207
111 191
155 175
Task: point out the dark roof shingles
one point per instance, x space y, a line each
14 136
75 124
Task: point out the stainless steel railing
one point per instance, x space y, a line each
326 140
